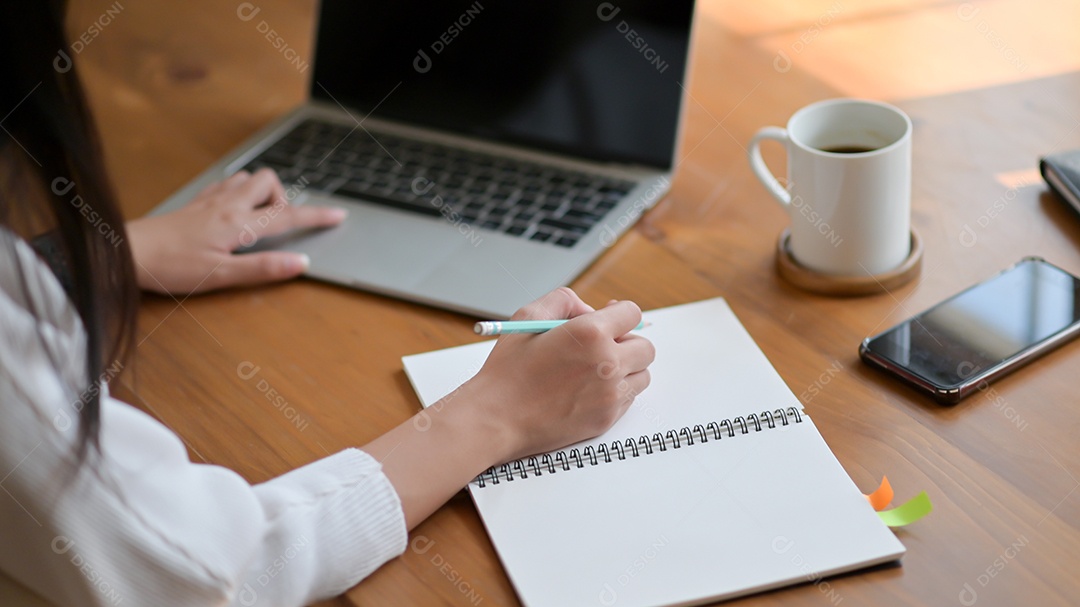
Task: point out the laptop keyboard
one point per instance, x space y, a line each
519 198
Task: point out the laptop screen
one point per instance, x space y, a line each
601 81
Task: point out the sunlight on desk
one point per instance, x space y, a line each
897 50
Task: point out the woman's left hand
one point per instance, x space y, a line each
191 250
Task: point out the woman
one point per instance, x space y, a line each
100 505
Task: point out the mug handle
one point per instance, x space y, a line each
757 163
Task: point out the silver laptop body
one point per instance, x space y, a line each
441 256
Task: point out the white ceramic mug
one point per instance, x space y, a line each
849 185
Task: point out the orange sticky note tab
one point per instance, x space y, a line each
880 498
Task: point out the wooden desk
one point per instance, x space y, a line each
990 86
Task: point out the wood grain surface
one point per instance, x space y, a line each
263 380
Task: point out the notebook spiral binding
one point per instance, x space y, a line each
644 445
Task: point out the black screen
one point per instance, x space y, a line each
984 325
599 80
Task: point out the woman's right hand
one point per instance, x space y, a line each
541 392
535 393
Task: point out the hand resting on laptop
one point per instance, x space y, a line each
192 249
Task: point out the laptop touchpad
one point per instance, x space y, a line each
393 248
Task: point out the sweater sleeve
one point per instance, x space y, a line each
139 524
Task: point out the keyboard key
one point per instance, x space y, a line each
565 226
291 174
324 182
517 195
419 206
566 241
583 216
334 167
276 156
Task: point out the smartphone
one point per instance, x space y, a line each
982 333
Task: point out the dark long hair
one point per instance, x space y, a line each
53 187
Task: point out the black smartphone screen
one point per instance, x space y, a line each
984 325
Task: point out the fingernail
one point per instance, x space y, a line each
337 214
299 262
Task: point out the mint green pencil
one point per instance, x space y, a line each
503 327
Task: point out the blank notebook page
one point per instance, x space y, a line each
766 505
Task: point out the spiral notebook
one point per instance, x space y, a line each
715 484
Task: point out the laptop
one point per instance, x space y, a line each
487 151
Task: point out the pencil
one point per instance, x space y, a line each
503 327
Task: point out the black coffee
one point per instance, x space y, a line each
848 149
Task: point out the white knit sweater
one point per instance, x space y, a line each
142 525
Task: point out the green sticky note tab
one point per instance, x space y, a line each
913 510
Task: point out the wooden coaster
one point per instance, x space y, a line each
834 284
